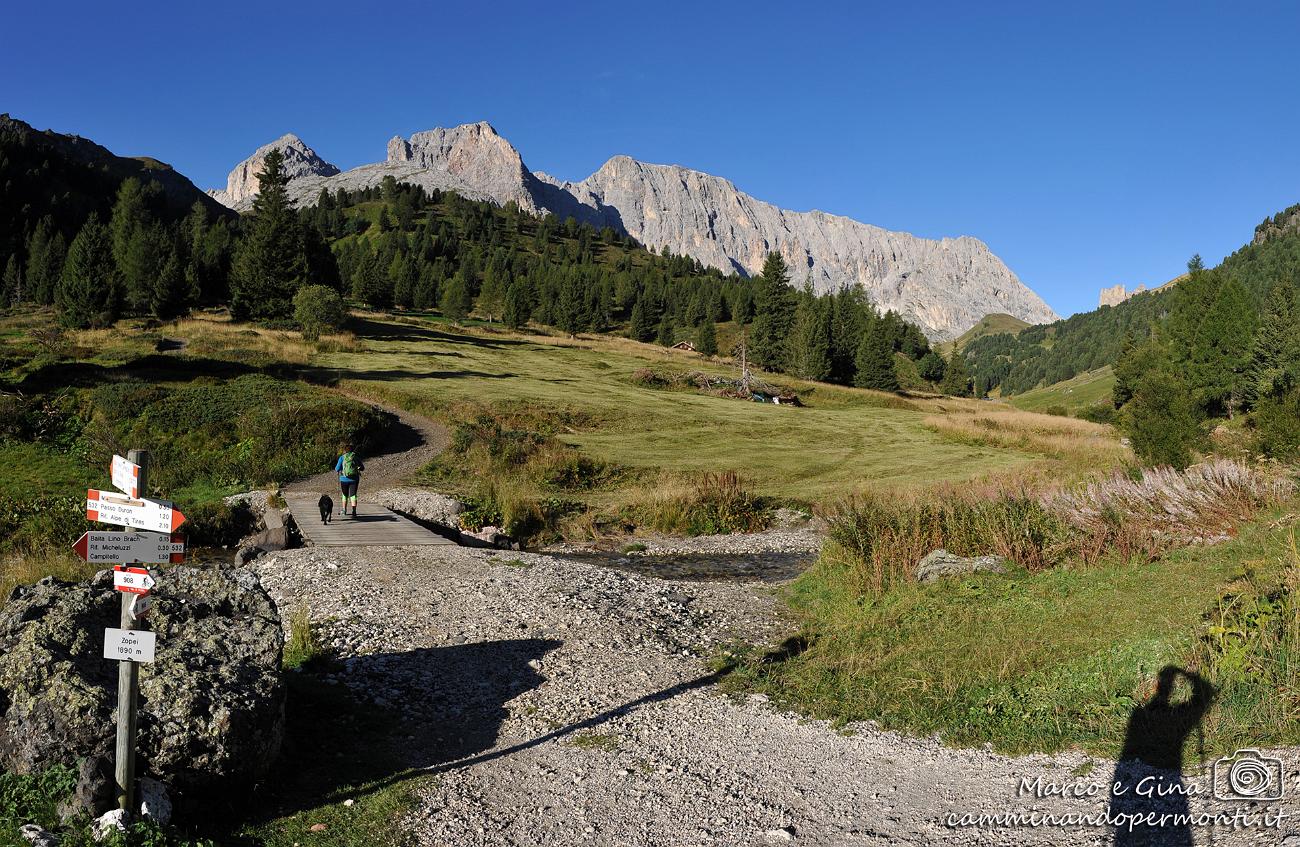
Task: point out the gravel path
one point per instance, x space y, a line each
412 443
559 702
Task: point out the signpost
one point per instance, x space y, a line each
122 510
132 580
129 646
107 548
126 476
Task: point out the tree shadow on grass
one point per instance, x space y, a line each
372 330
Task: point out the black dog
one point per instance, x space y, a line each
326 508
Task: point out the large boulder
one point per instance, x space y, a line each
211 707
941 563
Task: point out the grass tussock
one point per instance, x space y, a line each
708 504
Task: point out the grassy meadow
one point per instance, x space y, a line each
1085 391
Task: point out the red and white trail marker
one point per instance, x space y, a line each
111 548
132 580
126 476
120 510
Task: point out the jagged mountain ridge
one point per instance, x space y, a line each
944 285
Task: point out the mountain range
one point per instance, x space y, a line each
944 285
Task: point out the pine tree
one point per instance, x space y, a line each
706 338
170 294
519 304
849 312
373 285
12 283
401 273
87 292
135 243
271 263
426 288
455 301
1221 356
956 379
774 314
808 347
1275 354
874 361
666 335
492 294
643 328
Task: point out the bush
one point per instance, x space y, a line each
217 524
32 524
1277 426
1102 413
318 309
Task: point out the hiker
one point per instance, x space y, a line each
349 468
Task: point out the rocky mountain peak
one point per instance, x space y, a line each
944 285
299 161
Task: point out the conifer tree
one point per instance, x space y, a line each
492 294
170 294
706 338
874 362
12 284
519 304
401 273
643 327
773 314
456 300
666 335
1162 420
271 262
373 285
956 379
1275 353
135 243
808 347
931 366
45 251
87 292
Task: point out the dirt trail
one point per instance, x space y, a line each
412 442
556 702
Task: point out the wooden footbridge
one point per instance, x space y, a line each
373 526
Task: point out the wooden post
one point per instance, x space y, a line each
128 680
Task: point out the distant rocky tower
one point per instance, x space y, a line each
1116 294
944 285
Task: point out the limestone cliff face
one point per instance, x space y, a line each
299 161
944 285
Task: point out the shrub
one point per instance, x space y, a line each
1277 426
36 523
318 309
217 524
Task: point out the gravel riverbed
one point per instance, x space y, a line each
567 703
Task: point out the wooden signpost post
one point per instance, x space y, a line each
128 551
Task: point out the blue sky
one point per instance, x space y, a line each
1087 144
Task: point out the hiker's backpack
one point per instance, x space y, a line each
350 465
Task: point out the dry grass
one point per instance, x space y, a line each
875 541
1078 442
216 335
26 568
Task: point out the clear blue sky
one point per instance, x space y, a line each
1087 143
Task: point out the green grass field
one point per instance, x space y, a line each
1088 389
1055 659
844 441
